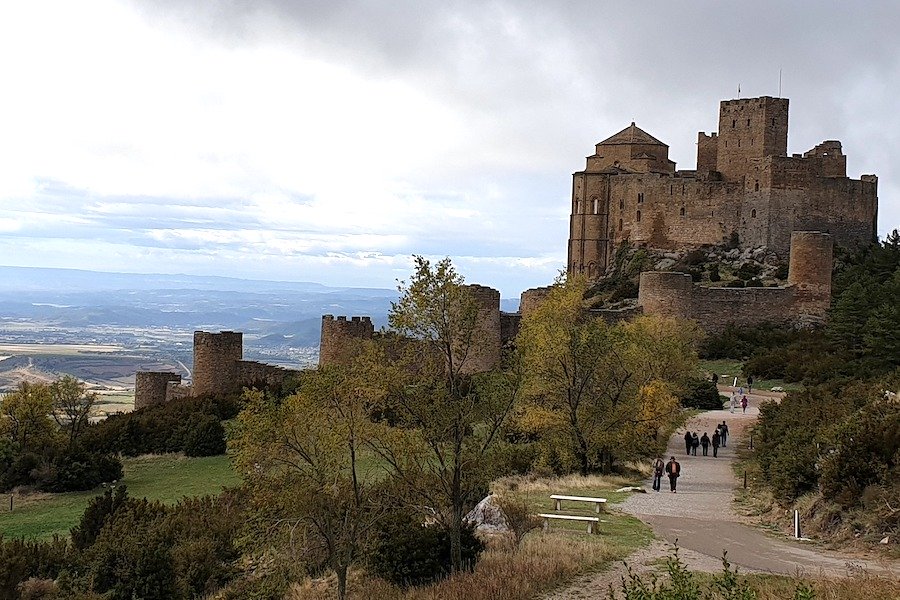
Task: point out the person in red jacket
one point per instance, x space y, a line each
673 470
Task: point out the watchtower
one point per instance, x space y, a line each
338 335
809 271
150 387
216 357
749 129
484 350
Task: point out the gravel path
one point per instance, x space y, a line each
700 517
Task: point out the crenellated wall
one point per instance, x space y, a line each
337 335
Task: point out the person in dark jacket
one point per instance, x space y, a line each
695 443
704 443
673 470
723 434
688 439
658 469
715 443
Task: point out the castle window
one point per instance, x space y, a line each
670 189
638 219
622 203
739 142
748 122
733 123
620 224
726 143
682 189
753 214
578 207
681 212
596 205
773 121
756 186
640 197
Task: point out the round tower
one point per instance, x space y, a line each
809 271
338 334
666 293
484 349
216 357
531 299
150 387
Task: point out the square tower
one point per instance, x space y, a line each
750 129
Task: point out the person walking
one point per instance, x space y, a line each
658 468
704 443
673 470
723 433
695 442
687 442
744 403
716 440
733 402
750 384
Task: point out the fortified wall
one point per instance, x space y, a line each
218 370
745 185
804 300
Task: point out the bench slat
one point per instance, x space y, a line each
570 517
577 498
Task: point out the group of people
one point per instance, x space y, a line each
692 441
719 438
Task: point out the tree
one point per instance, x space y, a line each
25 417
607 389
447 419
302 459
72 405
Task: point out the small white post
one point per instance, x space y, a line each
797 525
546 524
557 504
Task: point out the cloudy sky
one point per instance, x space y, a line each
328 141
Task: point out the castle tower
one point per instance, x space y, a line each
216 357
749 129
338 334
666 293
484 349
809 271
150 387
533 298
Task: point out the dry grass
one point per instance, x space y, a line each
544 561
851 588
527 484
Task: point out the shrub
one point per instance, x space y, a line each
714 274
77 470
702 394
206 438
408 553
781 272
733 241
748 271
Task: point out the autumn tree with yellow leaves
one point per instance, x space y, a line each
596 392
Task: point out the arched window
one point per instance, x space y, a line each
620 224
596 206
622 203
578 207
753 214
640 197
756 186
682 211
638 216
733 123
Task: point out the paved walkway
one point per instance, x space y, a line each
700 514
700 517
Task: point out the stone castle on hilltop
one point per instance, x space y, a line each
745 186
746 191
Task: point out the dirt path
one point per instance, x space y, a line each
700 517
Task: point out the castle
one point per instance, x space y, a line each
745 185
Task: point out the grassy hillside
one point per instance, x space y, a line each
165 478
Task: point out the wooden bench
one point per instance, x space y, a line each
598 502
589 520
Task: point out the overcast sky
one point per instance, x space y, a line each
328 141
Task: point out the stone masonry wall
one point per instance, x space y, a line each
150 387
484 350
215 362
256 373
337 336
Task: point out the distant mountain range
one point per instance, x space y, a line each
273 313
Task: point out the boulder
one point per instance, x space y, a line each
632 488
487 516
664 264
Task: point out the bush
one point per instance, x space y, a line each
77 470
206 438
748 271
781 272
714 274
702 394
408 553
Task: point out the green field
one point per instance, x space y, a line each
165 478
729 369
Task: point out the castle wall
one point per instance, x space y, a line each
252 373
509 327
484 350
707 152
215 362
338 334
176 391
150 387
809 272
529 300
